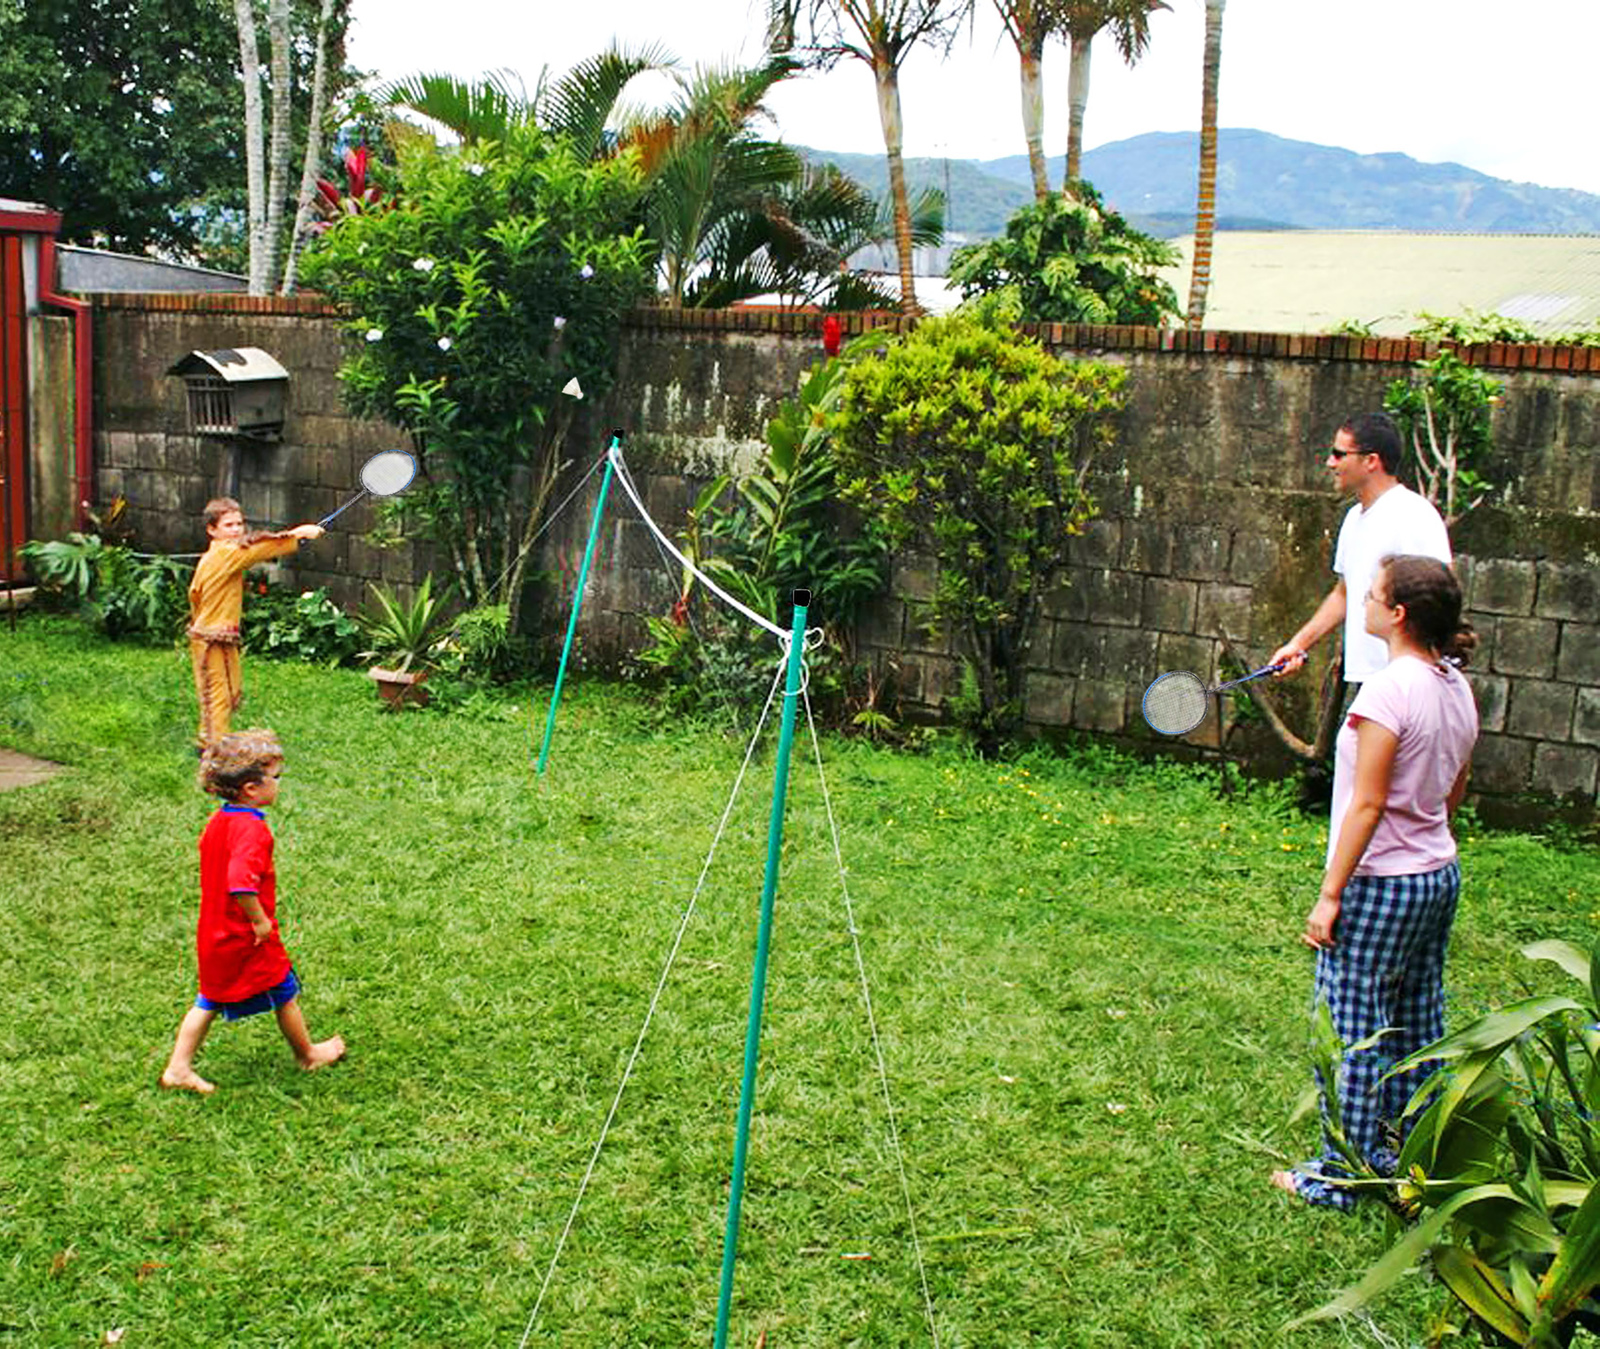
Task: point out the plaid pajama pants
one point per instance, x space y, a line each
1386 971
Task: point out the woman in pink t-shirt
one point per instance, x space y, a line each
1382 922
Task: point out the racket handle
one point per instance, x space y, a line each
1254 674
323 523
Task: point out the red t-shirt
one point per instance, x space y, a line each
236 856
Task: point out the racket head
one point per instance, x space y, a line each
388 472
1175 703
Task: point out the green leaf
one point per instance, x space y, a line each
1566 955
1492 1032
1576 1270
1480 1289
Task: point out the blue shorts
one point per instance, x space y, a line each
278 996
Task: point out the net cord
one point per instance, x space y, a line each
872 1026
672 955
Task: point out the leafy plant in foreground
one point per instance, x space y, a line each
401 633
305 625
1499 1171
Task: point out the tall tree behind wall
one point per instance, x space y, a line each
122 115
1081 21
1205 219
268 151
880 33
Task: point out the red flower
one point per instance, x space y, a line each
832 335
261 587
680 611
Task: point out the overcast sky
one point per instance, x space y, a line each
1505 89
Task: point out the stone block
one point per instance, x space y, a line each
1225 609
1565 770
912 576
941 679
1147 545
1069 597
1541 708
1502 764
1077 648
118 449
1526 646
1099 545
1586 717
1490 692
1201 552
1503 586
882 623
1176 651
399 566
151 449
1169 606
1568 592
1047 699
1578 653
1254 555
1130 655
1100 705
1112 597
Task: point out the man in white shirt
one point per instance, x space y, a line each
1387 518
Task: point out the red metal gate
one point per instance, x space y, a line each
13 408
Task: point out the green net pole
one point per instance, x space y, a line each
758 979
577 604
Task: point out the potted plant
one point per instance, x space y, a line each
403 639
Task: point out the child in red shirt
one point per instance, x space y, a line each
244 968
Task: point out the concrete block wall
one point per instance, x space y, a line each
1215 514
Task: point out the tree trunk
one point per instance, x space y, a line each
314 141
888 80
282 132
254 147
1205 218
1033 120
1077 101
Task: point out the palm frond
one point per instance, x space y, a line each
473 110
582 101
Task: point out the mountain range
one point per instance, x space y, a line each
1263 182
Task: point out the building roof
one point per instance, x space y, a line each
1297 281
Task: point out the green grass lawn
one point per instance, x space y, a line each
1084 970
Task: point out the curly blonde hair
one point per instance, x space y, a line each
230 764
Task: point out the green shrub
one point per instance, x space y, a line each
305 625
971 443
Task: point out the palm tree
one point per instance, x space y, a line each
1028 23
1129 21
797 239
1205 218
880 33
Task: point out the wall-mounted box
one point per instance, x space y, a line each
234 392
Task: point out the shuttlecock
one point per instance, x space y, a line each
572 389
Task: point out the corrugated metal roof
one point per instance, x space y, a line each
1300 281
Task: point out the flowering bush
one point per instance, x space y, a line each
498 275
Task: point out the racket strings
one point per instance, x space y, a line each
1175 703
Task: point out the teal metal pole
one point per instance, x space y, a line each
758 979
577 604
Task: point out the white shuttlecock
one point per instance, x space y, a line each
572 389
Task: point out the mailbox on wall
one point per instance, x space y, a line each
235 392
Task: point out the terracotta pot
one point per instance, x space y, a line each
398 688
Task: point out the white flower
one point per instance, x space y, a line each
586 271
445 344
559 322
422 265
306 594
476 170
374 334
161 106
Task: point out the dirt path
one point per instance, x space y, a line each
18 770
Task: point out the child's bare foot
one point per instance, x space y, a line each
186 1079
323 1053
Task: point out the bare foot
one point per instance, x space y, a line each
1284 1180
186 1079
323 1053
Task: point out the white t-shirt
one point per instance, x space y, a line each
1398 522
1431 711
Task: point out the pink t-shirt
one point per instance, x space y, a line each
1431 709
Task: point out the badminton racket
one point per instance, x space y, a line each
382 475
1176 702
